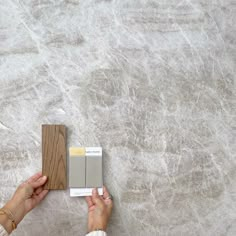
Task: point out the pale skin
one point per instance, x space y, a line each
99 210
31 193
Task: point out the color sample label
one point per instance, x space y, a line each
93 151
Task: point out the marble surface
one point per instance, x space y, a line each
152 82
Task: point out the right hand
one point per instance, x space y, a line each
99 210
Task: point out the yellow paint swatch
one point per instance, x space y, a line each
77 151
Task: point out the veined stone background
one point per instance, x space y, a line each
152 82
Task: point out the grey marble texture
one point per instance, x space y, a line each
152 82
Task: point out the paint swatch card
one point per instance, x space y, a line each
85 171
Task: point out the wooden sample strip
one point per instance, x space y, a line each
54 156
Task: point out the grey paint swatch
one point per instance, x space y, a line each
94 171
77 172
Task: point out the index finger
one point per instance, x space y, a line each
40 182
34 177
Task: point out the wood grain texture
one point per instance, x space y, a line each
54 156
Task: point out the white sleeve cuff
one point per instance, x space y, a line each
97 233
3 232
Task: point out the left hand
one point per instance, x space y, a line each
27 196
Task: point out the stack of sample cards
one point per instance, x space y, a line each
85 171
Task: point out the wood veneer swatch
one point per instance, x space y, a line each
54 156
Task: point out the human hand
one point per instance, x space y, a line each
99 210
27 196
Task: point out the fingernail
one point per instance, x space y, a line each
44 177
94 191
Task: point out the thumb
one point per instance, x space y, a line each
96 198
